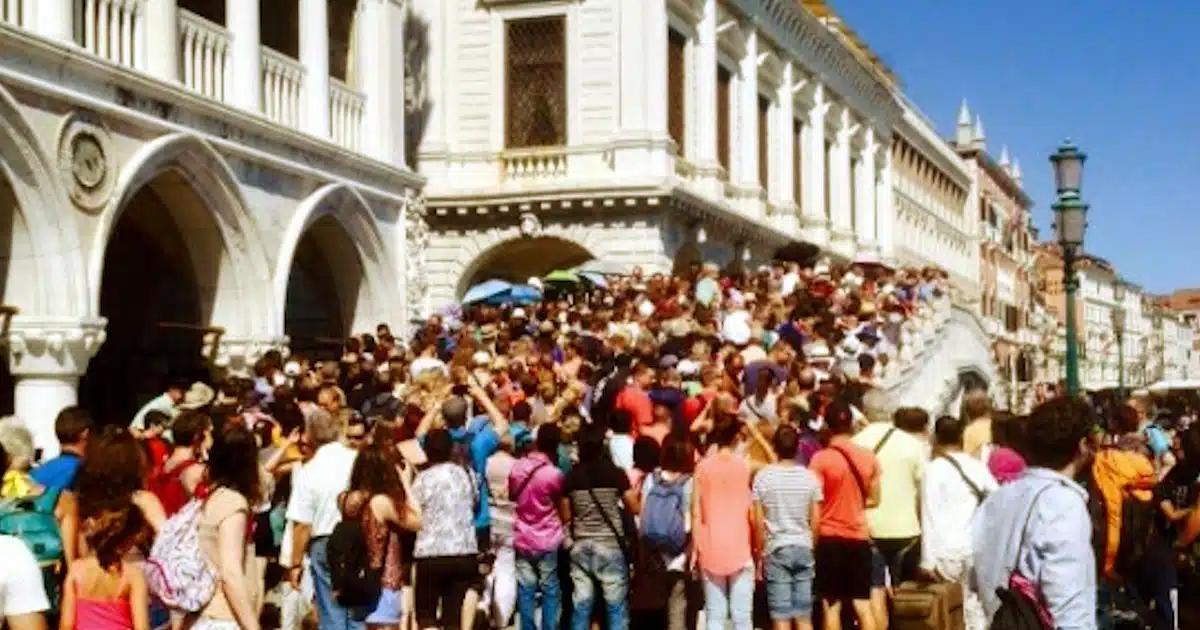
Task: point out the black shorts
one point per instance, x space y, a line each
442 583
843 569
894 558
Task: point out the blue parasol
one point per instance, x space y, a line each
595 278
486 290
518 294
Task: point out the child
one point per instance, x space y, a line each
18 443
107 591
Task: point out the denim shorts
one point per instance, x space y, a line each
790 571
389 610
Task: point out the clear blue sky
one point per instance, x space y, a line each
1120 78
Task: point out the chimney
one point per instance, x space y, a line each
964 138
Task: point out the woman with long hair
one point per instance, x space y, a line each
111 478
381 497
232 486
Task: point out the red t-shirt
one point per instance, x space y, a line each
843 509
637 403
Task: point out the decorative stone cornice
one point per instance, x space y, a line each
808 40
52 346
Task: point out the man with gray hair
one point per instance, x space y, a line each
313 512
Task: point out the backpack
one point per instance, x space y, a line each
168 487
1022 606
176 570
32 520
355 582
663 523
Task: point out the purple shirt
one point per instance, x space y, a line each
535 486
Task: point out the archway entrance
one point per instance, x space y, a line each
17 276
323 290
519 260
157 290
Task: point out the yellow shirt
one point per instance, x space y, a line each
18 485
901 464
977 435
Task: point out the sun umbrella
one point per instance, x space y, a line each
519 294
562 276
486 290
595 278
604 267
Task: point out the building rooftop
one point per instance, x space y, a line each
851 39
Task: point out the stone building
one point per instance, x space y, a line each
189 182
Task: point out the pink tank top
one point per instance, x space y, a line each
102 614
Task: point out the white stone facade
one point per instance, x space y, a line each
135 119
614 159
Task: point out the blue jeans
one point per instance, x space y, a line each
593 562
538 574
729 596
332 616
790 572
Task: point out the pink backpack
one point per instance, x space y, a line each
176 570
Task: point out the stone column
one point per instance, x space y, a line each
54 19
886 210
840 180
244 83
238 354
746 154
162 40
865 180
314 56
814 224
704 153
380 55
47 356
641 145
782 156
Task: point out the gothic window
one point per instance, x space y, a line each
536 82
676 87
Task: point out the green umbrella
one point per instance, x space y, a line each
562 276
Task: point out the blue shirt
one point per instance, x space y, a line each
484 442
1057 551
57 474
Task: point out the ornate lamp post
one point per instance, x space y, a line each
1070 221
1118 323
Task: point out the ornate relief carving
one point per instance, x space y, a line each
416 237
84 160
53 346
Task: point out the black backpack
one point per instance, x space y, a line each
1017 611
355 582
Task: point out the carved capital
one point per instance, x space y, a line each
52 346
239 354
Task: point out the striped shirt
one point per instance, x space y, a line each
787 493
595 491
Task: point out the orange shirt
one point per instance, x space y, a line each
637 403
843 510
722 536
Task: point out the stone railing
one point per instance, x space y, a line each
17 12
112 29
283 80
538 163
203 55
345 115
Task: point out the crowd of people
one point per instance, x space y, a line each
663 452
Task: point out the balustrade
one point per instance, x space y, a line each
204 55
17 12
345 115
535 163
283 80
112 29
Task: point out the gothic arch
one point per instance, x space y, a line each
477 250
42 221
350 211
222 228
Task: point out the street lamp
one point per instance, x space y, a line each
1070 221
1118 322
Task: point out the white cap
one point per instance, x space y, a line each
519 313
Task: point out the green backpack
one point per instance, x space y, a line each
32 520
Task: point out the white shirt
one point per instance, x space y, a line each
948 505
316 486
21 591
